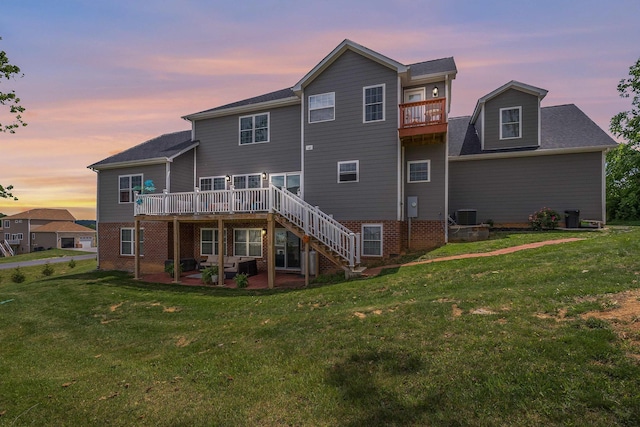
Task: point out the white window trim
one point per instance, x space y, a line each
215 242
7 236
357 162
381 240
7 223
131 190
132 242
313 109
259 175
17 236
286 177
411 162
253 129
519 122
247 243
364 103
212 178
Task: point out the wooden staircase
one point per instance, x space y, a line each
5 249
326 235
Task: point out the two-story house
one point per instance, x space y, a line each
354 161
38 229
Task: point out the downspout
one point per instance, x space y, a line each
400 155
167 176
302 146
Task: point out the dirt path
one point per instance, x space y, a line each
375 271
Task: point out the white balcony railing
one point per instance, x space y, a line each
310 219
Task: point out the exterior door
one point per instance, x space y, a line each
287 250
414 115
289 181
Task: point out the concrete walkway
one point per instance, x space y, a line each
55 260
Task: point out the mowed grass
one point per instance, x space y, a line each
505 340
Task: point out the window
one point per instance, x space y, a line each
209 241
247 181
510 123
7 223
128 185
18 236
213 183
247 242
33 236
254 129
348 171
373 103
127 244
371 239
322 107
7 236
419 171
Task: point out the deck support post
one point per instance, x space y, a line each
306 261
220 251
136 250
176 250
271 250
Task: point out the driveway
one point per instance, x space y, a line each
81 256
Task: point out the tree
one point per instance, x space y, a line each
623 162
8 71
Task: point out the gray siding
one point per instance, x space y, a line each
110 210
346 138
511 98
181 173
431 195
509 190
219 152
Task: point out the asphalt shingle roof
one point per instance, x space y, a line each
44 214
562 126
436 66
62 226
164 146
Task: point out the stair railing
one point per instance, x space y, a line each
316 224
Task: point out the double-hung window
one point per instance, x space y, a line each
213 183
7 236
419 171
254 129
322 108
128 185
373 103
209 241
348 171
510 122
247 242
7 223
127 241
371 239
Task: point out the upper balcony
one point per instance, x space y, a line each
423 121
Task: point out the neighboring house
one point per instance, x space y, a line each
38 229
358 159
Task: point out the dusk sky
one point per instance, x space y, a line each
103 76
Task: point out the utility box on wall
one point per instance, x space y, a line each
412 207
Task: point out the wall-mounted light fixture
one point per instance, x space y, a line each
435 92
228 178
264 231
264 175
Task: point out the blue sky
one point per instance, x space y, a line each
102 76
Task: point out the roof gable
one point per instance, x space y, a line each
513 84
63 226
337 52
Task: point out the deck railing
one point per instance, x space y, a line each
422 113
310 219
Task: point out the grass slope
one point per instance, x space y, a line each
491 341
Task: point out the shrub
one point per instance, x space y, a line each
170 271
17 276
242 280
209 273
47 270
544 219
72 264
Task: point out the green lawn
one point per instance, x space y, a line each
51 253
477 342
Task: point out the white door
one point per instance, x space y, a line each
414 115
